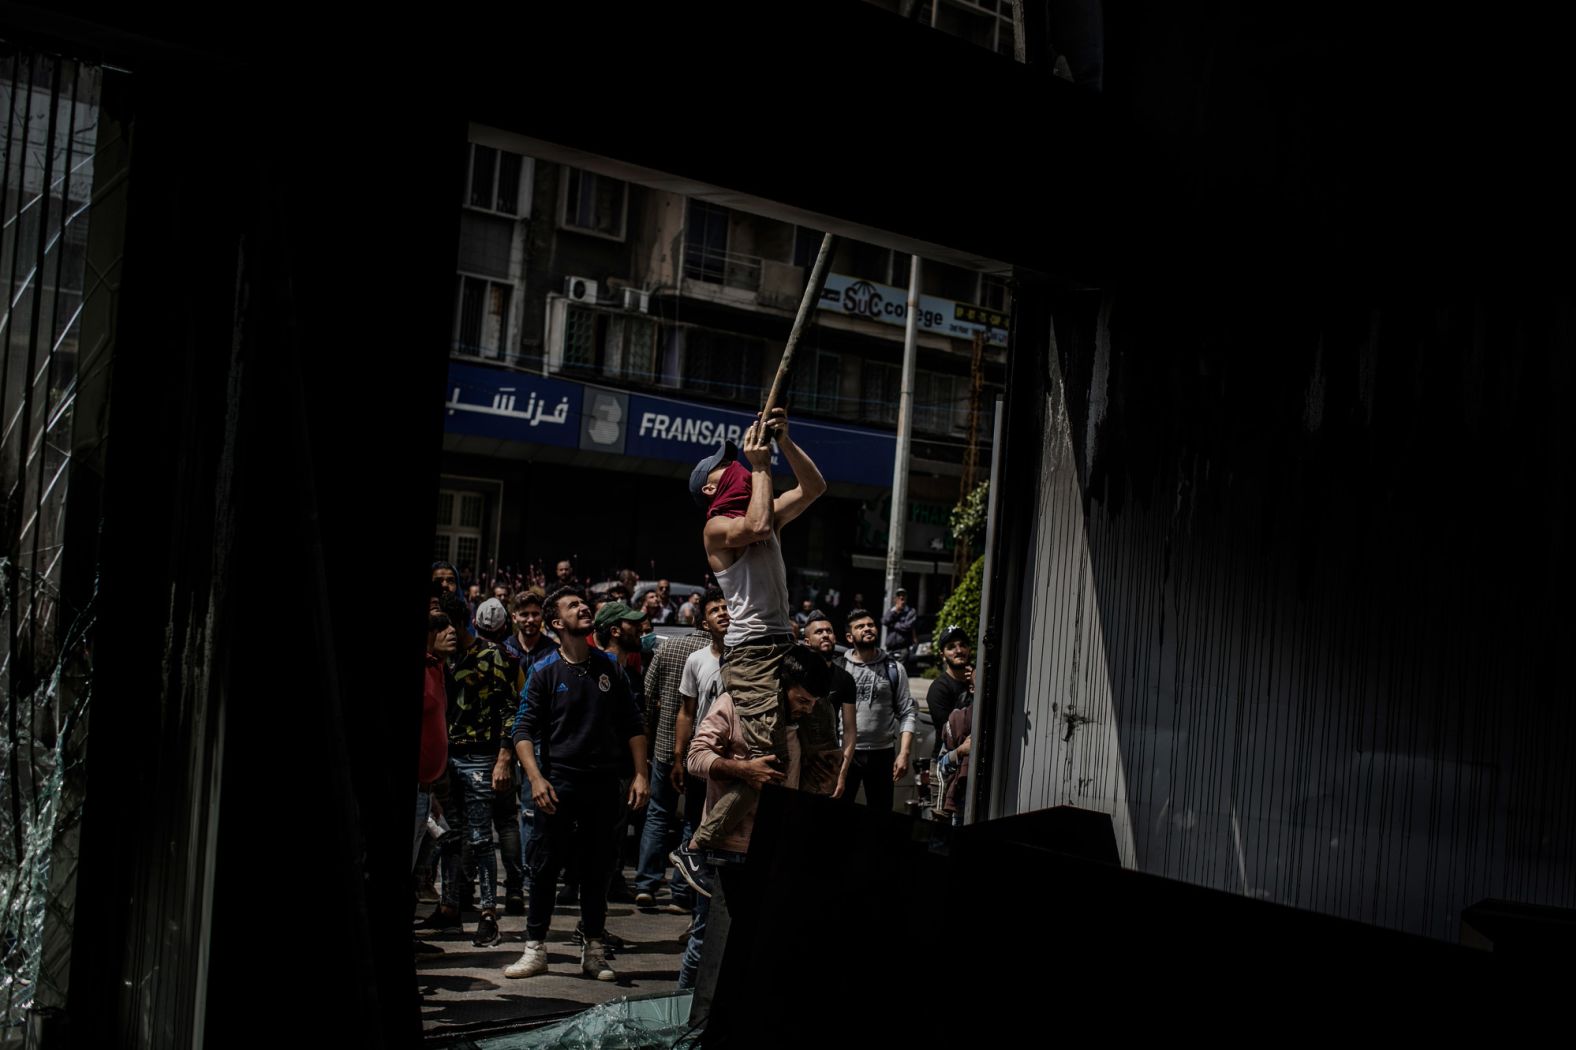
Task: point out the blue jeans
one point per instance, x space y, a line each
702 910
527 813
691 961
506 821
661 832
423 808
470 785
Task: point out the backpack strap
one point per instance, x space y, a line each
891 676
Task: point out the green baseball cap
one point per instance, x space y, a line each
614 611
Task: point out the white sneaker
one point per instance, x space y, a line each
532 962
593 961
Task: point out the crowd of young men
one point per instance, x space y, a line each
551 720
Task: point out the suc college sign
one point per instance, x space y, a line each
888 305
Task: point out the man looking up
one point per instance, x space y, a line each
698 689
665 592
579 710
663 704
801 618
617 629
656 610
480 763
947 691
743 520
885 715
527 645
834 723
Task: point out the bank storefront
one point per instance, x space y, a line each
539 467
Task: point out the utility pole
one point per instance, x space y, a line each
905 428
898 519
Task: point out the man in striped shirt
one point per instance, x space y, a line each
660 834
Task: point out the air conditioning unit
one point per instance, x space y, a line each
579 290
635 299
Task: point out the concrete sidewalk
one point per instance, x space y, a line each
465 986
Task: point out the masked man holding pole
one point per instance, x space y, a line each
743 520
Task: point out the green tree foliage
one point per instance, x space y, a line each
963 607
968 517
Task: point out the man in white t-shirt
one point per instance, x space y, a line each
699 686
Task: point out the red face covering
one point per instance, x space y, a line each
732 497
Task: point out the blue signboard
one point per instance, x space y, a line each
513 406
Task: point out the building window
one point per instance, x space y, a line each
705 242
595 203
948 282
486 244
924 401
879 391
940 401
602 343
481 321
960 406
722 365
632 341
669 360
459 529
868 262
582 340
900 267
806 246
995 293
817 384
495 179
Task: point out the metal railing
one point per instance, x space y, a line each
716 266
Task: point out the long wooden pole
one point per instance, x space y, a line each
812 295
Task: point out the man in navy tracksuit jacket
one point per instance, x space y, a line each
578 710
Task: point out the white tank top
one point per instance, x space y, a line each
756 586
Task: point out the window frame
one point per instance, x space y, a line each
521 196
570 171
505 335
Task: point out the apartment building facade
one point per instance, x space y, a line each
606 333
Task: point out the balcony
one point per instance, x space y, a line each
736 279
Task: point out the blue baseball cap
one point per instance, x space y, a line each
726 453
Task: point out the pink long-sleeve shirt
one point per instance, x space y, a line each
720 735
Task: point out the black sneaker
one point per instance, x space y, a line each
421 947
514 904
440 920
569 895
694 868
487 933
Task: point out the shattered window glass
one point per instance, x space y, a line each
50 107
654 1021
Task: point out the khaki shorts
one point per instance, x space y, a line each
749 674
